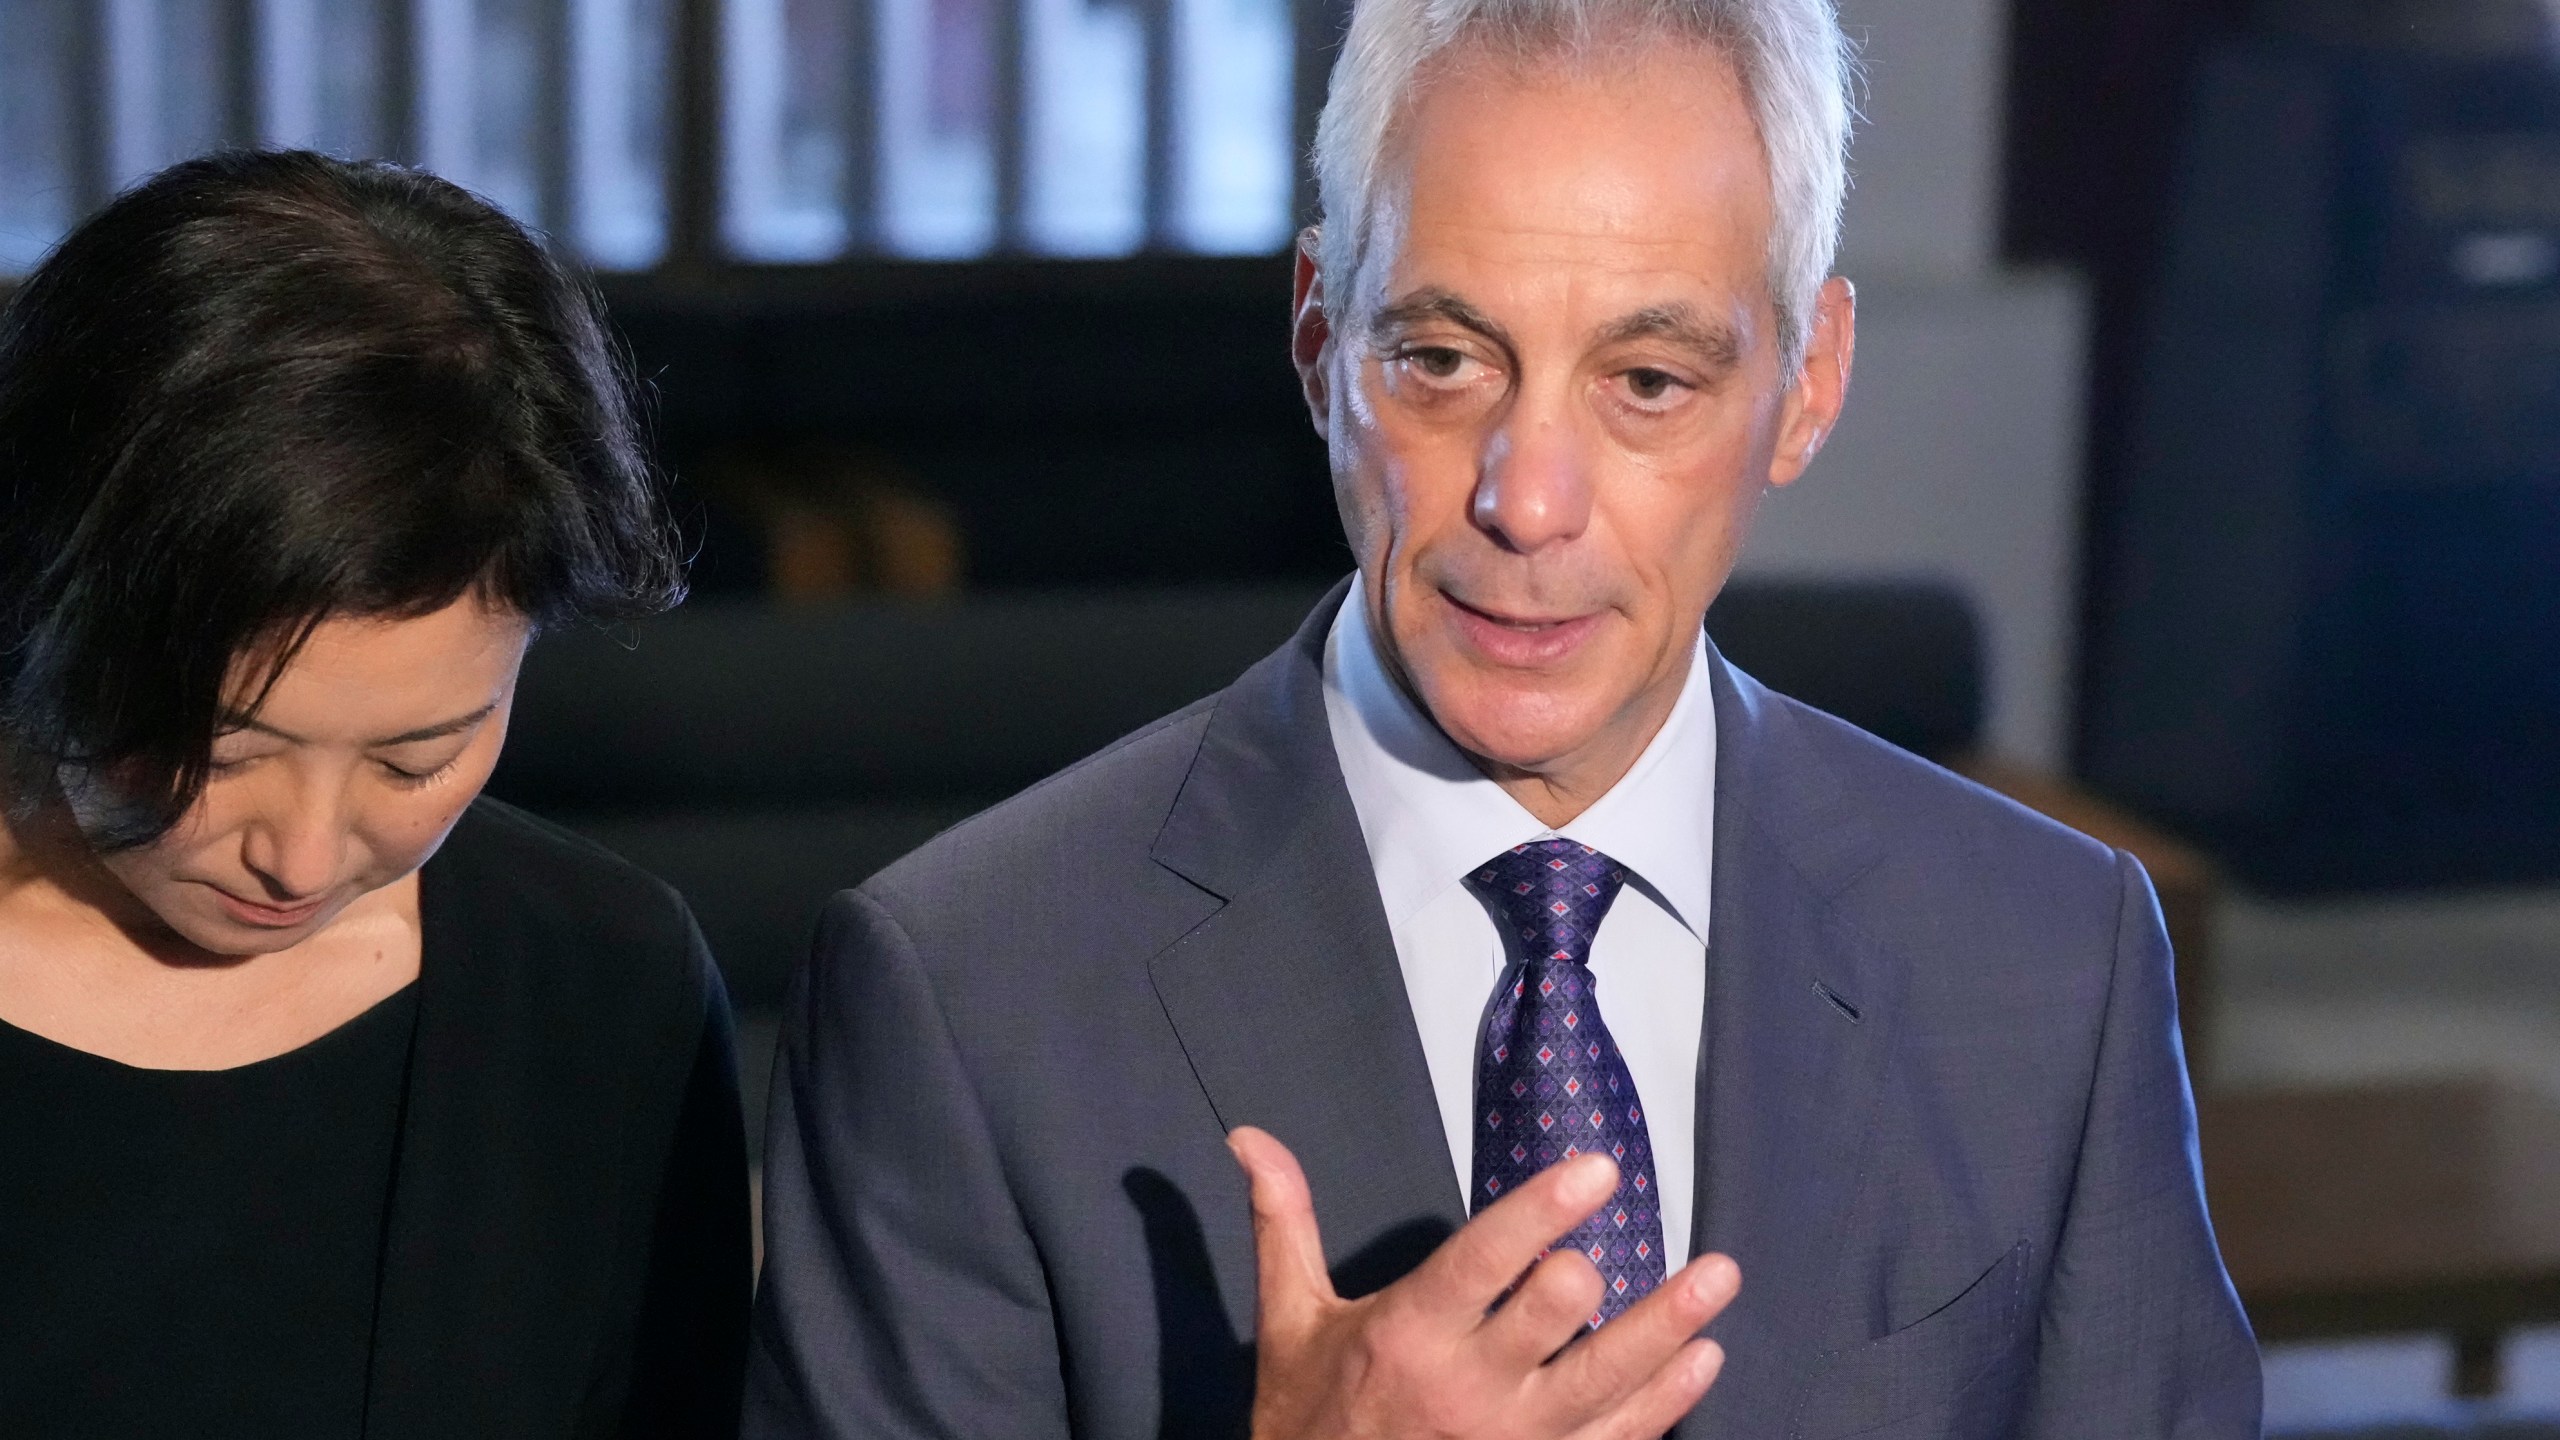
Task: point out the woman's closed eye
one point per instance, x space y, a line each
232 758
412 774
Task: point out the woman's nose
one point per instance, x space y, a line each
295 846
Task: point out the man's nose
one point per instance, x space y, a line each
295 842
1533 488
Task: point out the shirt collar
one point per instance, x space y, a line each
1430 816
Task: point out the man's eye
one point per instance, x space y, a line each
1437 361
1650 384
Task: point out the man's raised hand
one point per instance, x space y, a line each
1423 1358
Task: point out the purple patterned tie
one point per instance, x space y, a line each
1550 1083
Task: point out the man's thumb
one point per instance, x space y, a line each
1295 1286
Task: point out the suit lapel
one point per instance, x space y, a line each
1288 1000
1798 1034
1291 1008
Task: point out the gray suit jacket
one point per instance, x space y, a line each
1943 1122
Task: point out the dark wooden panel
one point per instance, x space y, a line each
2425 1206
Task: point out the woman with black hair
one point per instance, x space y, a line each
334 1100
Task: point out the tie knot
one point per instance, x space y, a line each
1549 897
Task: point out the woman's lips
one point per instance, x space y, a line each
1517 641
266 917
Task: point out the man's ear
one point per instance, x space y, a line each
1310 332
1822 386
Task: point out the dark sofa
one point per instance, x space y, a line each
761 758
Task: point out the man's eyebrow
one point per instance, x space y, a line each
1715 344
438 731
1434 303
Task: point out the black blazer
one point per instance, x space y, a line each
567 1247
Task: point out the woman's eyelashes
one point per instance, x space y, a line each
414 776
232 762
407 772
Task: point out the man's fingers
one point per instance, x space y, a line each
1664 1400
1551 1307
1473 1267
1630 1352
1288 1251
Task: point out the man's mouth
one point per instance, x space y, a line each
1509 638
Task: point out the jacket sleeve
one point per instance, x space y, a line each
902 1295
690 1344
2141 1335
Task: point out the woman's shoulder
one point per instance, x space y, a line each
519 886
495 841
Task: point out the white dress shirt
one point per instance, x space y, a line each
1430 817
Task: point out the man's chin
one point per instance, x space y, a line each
1514 728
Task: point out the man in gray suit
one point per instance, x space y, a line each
1430 1033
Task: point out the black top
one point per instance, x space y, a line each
202 1245
564 1247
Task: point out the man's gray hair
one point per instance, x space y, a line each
1794 66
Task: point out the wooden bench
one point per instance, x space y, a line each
2432 1206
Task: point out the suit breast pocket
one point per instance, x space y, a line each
1932 1372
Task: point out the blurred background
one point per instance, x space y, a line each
2200 485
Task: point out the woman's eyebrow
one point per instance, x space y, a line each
454 726
438 731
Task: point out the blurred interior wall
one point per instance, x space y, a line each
2097 90
1960 454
